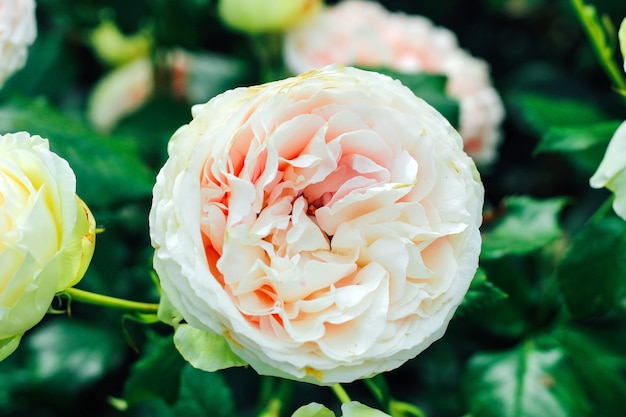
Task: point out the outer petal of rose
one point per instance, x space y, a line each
612 170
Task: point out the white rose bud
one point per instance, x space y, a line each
47 234
326 226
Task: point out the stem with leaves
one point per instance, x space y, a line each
603 37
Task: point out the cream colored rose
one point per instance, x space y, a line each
18 30
47 233
363 33
325 225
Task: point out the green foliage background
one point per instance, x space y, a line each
543 329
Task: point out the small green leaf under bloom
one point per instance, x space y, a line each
313 410
205 350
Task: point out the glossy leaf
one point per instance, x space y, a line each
541 113
592 273
156 373
595 360
203 394
527 225
584 146
481 292
205 350
526 381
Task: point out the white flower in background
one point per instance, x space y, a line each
612 171
47 234
18 30
120 93
364 34
324 226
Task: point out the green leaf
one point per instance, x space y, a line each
108 169
541 113
528 225
8 346
527 381
156 373
481 293
313 410
592 275
68 355
204 394
205 350
596 367
430 88
583 145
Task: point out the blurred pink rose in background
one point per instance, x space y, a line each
326 226
364 34
18 30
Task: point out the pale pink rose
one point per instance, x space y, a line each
18 30
325 225
363 33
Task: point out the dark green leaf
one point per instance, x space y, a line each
527 381
583 145
156 373
108 169
202 394
541 113
482 292
592 273
429 87
527 225
67 355
598 368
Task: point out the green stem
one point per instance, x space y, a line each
401 408
105 301
341 393
597 35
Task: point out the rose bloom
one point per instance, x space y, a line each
18 30
326 225
612 170
365 34
47 233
